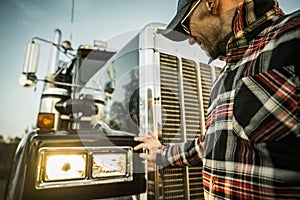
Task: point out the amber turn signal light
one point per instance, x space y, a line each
45 120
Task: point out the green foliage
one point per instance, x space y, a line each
7 151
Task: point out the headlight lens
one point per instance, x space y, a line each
110 164
64 167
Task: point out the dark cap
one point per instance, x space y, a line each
174 30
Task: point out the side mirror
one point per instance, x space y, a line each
31 58
28 77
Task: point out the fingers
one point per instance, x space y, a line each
149 142
150 157
139 138
151 133
139 146
142 138
145 142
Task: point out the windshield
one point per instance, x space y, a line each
90 62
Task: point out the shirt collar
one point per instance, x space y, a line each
251 17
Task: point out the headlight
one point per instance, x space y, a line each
64 167
109 165
72 166
113 164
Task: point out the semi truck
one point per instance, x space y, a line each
92 107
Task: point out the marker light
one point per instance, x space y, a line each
64 167
85 47
45 120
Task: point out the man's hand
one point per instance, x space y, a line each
149 142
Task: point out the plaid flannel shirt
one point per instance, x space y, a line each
251 149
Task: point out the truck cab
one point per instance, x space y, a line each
92 108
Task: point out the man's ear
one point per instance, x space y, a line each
212 6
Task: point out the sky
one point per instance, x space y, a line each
21 20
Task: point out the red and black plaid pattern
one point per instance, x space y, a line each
252 145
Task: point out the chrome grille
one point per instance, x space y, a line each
196 185
176 76
173 183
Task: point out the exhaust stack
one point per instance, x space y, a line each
54 57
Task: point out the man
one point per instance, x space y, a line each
252 144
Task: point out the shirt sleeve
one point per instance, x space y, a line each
181 154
